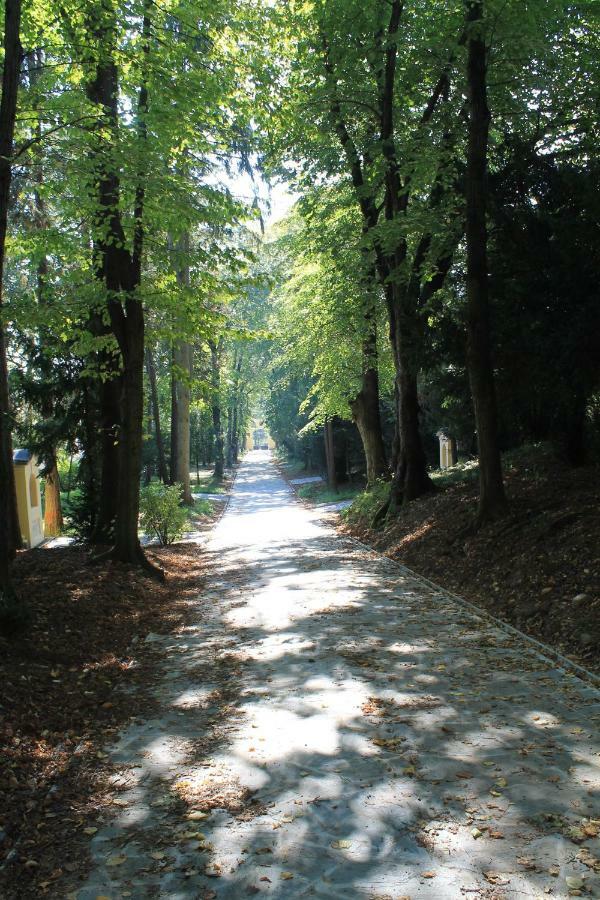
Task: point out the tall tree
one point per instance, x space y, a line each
180 392
121 268
216 355
492 500
10 538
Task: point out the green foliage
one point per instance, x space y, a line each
367 504
161 512
203 508
320 493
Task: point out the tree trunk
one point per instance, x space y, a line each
215 357
410 474
10 534
492 501
127 545
182 373
53 518
233 416
330 456
110 461
174 422
182 359
366 413
120 269
160 447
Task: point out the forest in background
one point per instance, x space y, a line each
438 273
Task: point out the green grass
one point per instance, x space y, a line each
366 503
202 508
208 484
461 472
320 493
294 467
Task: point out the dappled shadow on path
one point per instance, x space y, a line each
339 729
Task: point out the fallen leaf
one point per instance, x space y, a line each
428 874
496 878
286 876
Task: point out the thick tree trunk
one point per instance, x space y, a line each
120 270
127 545
160 447
410 478
215 358
492 501
366 413
330 456
53 518
10 535
110 461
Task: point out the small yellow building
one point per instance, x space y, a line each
258 438
29 503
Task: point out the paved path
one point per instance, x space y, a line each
338 729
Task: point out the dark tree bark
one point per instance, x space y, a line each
120 269
330 456
10 535
492 501
233 413
108 416
366 413
160 447
215 358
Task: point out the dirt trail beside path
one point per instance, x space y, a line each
336 728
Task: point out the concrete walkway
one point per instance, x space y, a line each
335 728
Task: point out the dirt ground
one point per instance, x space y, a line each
65 690
537 569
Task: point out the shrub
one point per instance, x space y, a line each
161 512
367 504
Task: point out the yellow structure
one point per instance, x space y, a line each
258 438
29 503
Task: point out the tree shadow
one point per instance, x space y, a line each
341 729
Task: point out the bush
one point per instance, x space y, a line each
161 513
366 504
